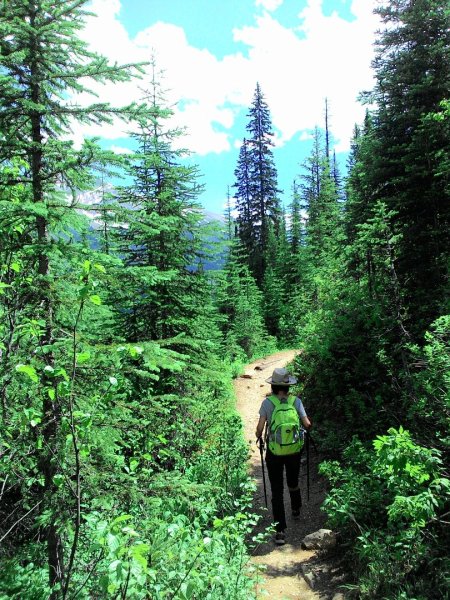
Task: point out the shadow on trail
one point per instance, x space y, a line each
290 560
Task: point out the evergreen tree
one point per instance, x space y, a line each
229 220
358 207
256 185
408 145
240 303
275 286
106 214
243 196
320 202
296 239
161 243
42 64
327 132
90 447
296 229
295 270
372 304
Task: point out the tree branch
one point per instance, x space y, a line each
19 520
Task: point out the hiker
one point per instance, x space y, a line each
283 446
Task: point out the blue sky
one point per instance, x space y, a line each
214 51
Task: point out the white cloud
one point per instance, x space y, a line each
269 5
107 35
306 136
320 56
120 149
326 57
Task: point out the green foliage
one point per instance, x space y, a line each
159 231
131 441
241 304
320 201
405 154
180 558
372 289
114 383
388 505
256 186
24 576
369 316
432 383
122 463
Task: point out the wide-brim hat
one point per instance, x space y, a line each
281 377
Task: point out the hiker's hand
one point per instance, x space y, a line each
260 427
307 423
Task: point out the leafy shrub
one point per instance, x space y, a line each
431 380
172 556
24 577
165 496
387 503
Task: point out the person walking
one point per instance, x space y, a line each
282 414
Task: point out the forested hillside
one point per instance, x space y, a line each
122 463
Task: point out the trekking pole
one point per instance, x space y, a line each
260 444
311 439
307 464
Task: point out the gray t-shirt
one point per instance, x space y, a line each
267 408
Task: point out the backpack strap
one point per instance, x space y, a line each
276 401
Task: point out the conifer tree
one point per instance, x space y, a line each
412 69
327 131
295 270
240 302
164 242
358 207
42 64
104 207
256 185
243 197
320 201
374 299
229 220
296 239
275 284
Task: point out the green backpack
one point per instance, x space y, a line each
285 433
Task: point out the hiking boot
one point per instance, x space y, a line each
296 514
280 539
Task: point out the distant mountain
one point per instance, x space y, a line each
91 201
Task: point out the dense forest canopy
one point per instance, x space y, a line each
122 462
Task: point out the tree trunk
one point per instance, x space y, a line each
51 410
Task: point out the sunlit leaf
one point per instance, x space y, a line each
29 371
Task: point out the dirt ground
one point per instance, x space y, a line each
284 568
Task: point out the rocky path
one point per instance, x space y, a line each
284 567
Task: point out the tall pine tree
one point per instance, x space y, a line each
42 63
404 164
161 242
256 185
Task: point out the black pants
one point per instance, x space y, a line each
275 469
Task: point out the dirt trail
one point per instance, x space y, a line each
283 579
